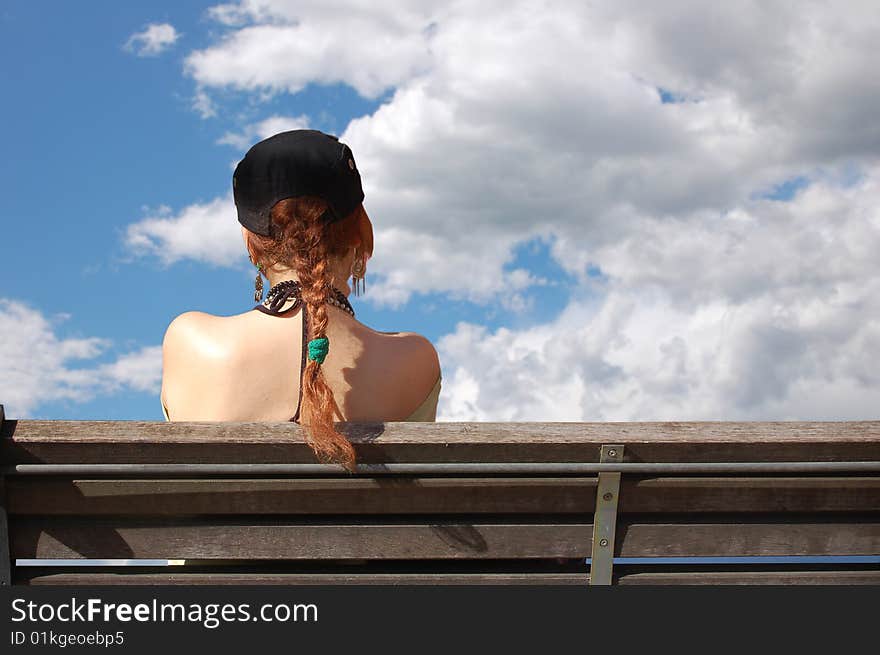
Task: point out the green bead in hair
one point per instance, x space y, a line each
318 349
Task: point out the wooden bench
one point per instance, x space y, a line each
441 502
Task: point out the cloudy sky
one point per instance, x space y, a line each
596 210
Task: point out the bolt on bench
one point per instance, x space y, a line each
441 503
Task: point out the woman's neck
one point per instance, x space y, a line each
279 275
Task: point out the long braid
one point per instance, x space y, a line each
303 242
318 399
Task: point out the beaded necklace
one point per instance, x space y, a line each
282 292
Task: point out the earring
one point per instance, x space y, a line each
358 274
258 284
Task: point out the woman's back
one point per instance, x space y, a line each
299 200
247 367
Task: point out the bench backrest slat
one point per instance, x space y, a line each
254 539
59 442
52 496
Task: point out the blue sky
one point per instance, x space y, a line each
620 231
96 134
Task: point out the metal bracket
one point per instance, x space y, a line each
5 560
605 518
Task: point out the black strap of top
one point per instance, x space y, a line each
302 364
305 336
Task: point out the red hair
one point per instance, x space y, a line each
303 242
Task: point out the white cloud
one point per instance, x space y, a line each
203 105
153 40
208 232
140 370
38 365
265 128
765 316
639 358
282 46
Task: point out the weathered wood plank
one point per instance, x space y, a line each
749 494
735 539
176 497
448 432
45 577
54 496
740 577
63 538
134 441
745 576
60 538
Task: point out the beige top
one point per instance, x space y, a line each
427 411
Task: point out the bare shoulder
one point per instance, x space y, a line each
197 338
421 353
183 326
415 352
192 349
188 332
